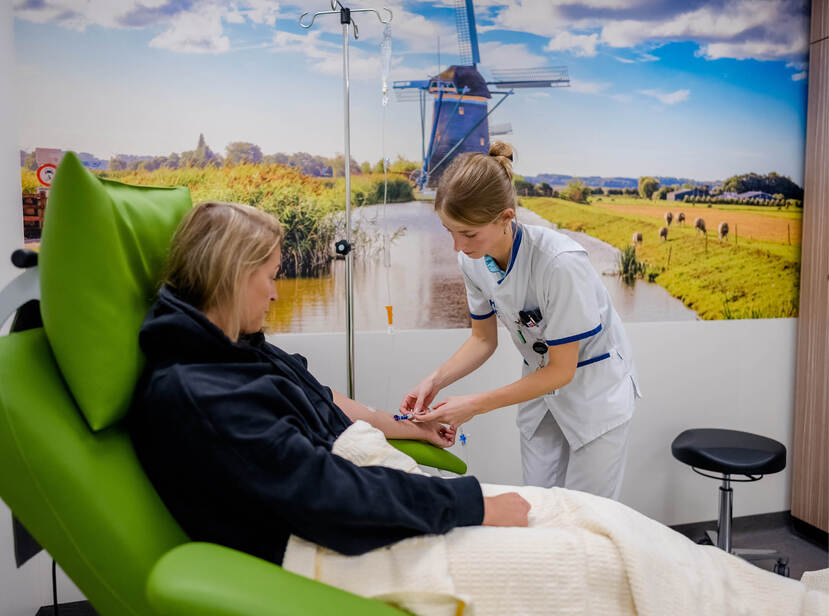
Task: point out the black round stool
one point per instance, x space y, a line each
730 452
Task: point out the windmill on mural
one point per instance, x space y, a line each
461 99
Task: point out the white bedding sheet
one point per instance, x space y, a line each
581 554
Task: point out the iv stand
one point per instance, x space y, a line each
343 247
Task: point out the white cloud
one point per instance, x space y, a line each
588 87
707 22
798 66
189 28
622 98
78 15
544 17
235 17
577 44
606 4
800 76
325 57
667 98
259 11
513 55
478 3
541 18
758 29
642 57
415 33
757 50
194 32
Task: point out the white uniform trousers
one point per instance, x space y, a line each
597 467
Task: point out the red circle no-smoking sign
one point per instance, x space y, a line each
45 174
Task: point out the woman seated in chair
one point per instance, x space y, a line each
237 437
236 434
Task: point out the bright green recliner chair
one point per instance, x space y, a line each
69 473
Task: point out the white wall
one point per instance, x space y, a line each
723 374
22 591
11 217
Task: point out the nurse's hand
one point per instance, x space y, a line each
436 433
507 509
455 410
421 396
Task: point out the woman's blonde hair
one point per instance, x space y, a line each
216 246
477 188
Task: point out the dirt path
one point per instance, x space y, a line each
749 224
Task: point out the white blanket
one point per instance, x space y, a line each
582 554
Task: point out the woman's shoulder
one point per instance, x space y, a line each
212 397
549 245
166 385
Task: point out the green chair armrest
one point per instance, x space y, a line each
205 579
430 455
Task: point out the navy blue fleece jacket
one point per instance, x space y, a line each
237 437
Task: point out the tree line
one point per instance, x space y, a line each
244 152
781 188
772 183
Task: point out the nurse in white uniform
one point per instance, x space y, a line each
576 397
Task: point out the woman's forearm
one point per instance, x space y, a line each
530 387
559 371
381 420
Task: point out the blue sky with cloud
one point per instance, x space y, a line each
702 89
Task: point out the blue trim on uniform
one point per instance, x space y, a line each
481 317
592 332
592 360
515 245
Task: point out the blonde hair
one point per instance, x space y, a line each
216 246
477 188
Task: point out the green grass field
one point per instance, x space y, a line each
717 279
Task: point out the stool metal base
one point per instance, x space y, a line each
746 553
722 536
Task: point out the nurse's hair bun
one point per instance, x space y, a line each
502 153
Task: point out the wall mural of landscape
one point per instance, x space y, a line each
666 137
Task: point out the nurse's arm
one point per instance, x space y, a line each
478 348
560 370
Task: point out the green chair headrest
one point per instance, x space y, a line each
103 248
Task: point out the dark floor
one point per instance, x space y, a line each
806 550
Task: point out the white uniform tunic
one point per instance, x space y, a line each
550 272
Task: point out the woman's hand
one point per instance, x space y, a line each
421 396
436 433
455 410
507 509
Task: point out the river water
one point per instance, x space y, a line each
423 283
